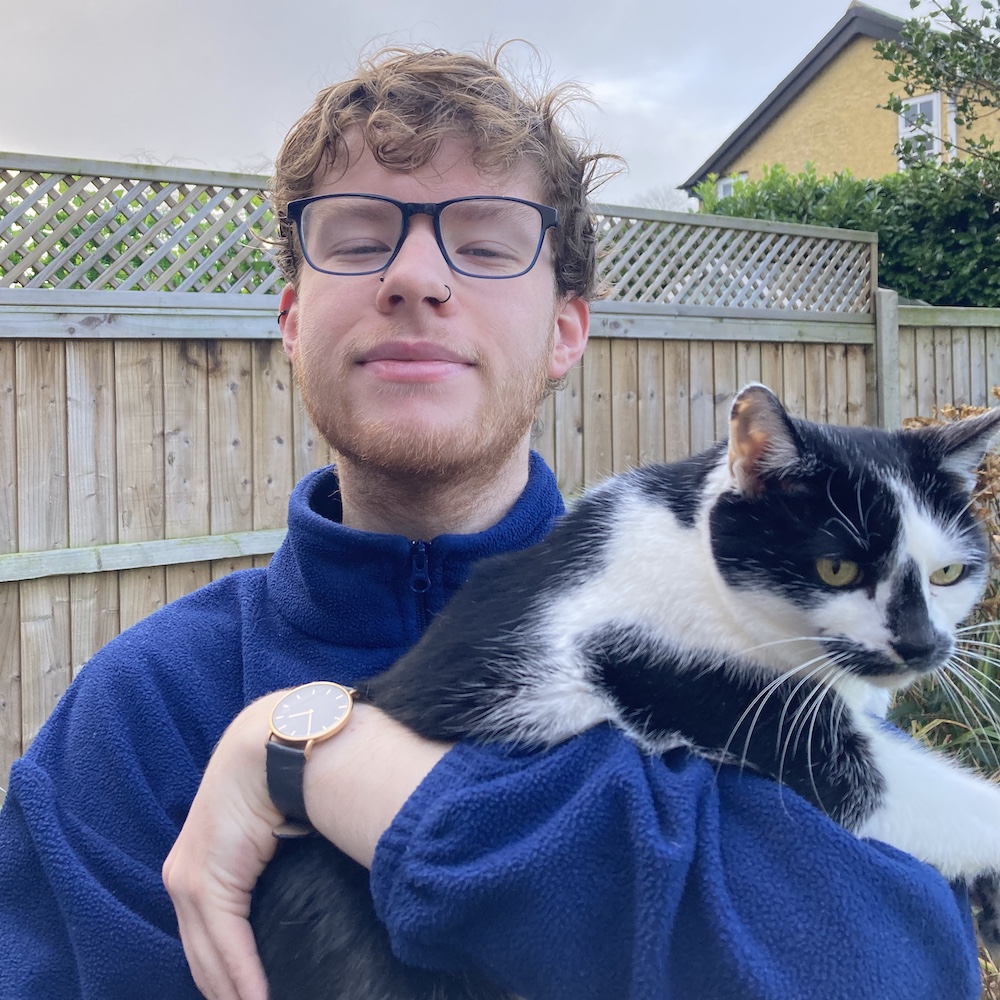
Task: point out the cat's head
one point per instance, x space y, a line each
862 539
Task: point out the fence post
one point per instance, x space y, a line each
887 358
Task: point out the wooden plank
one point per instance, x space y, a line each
907 373
93 509
702 381
310 451
747 363
141 486
16 566
815 369
185 578
569 434
728 323
230 418
836 384
992 362
794 379
624 405
943 369
8 449
772 368
923 339
272 435
224 567
186 436
42 497
860 411
980 391
725 386
598 461
652 429
11 743
677 400
961 367
45 651
543 431
43 522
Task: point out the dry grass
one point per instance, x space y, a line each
961 721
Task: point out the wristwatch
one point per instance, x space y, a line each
300 719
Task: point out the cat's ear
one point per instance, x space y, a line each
762 440
960 445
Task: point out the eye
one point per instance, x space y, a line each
838 572
947 575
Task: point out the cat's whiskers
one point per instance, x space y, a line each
959 700
760 701
825 687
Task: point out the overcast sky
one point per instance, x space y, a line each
217 83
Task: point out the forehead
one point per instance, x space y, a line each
449 174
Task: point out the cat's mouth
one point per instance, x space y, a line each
897 666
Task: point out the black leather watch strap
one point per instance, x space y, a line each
285 768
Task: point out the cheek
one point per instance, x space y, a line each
855 615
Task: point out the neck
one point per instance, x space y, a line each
422 506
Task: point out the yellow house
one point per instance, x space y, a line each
826 111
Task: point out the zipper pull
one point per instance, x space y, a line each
420 578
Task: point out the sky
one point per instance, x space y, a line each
216 84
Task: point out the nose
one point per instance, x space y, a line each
419 271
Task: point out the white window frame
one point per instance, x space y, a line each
724 185
932 124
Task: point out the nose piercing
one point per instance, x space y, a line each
443 301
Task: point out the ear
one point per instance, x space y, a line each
572 325
762 439
288 319
960 445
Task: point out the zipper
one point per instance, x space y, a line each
420 581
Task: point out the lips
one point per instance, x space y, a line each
413 362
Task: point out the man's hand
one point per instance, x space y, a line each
223 847
355 783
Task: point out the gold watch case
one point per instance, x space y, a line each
311 713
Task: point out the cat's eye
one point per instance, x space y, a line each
838 572
947 575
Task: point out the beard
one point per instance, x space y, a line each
440 452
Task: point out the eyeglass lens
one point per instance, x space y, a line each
487 237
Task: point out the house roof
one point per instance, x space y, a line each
860 20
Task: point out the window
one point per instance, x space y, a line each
725 184
920 123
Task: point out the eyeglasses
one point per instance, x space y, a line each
479 236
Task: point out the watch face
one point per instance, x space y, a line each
311 712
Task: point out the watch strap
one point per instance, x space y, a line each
285 770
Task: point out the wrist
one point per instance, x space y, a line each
356 783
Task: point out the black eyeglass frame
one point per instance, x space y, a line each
549 220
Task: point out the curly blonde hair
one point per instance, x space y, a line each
406 101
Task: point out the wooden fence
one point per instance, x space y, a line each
152 431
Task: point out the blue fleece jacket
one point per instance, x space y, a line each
589 871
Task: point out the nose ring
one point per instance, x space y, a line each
443 301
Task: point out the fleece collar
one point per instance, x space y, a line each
355 589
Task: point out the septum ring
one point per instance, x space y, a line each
440 301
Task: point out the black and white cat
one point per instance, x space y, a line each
804 570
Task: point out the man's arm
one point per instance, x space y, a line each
588 871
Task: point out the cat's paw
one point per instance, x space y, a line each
985 895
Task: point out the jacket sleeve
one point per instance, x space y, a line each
91 811
593 871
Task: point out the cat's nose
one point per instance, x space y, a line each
924 652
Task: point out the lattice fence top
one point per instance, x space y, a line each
114 226
697 260
73 224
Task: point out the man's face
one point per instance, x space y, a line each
396 377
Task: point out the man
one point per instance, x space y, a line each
424 330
